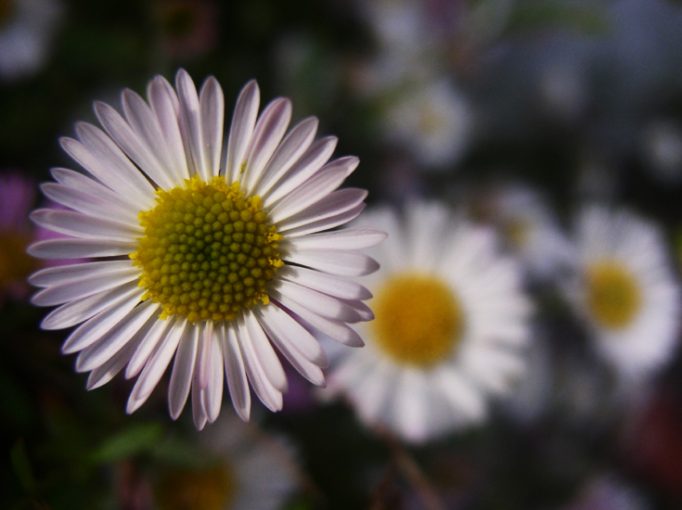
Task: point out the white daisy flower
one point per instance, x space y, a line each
27 28
207 257
243 469
433 121
625 290
531 231
450 327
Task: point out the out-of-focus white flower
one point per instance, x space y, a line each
433 121
662 150
450 326
27 28
243 469
207 256
608 493
531 231
625 290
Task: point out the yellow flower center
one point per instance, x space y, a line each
15 263
209 252
418 319
516 232
613 295
210 488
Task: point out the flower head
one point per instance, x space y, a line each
200 254
450 326
625 290
243 469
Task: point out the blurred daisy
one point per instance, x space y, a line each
207 259
450 327
531 231
16 199
625 290
434 122
242 469
27 28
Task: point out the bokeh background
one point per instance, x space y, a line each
447 99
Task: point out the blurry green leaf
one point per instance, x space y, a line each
130 441
22 467
554 13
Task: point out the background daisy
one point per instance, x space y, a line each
241 468
450 326
625 289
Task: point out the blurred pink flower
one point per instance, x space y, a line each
16 198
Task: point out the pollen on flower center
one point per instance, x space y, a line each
613 295
208 252
418 319
208 488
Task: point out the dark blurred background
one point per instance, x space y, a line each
579 100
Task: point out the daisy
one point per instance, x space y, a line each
625 290
27 28
242 469
16 199
450 327
433 120
531 231
208 258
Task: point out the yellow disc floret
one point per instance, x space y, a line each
613 295
207 488
418 319
208 252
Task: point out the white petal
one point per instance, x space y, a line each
90 202
106 346
327 283
213 394
202 375
165 104
235 373
334 329
100 156
335 262
183 370
129 141
336 209
107 371
285 327
308 165
267 135
212 104
346 239
199 414
265 353
75 312
155 367
190 124
290 150
89 285
311 191
75 272
322 304
147 346
94 328
146 125
79 248
267 393
83 226
241 129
